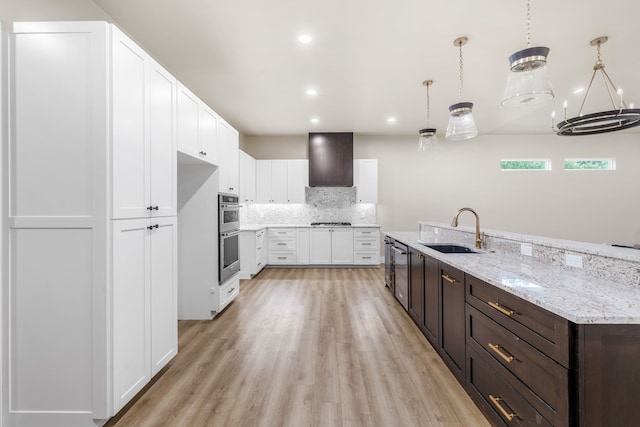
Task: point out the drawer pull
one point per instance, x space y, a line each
231 290
502 310
282 244
496 401
449 279
282 257
500 353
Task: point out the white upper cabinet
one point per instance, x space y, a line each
281 181
162 141
297 180
365 179
229 153
247 177
144 148
208 127
197 127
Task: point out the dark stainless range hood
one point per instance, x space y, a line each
331 159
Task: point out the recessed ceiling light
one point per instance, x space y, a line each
305 38
391 120
578 91
315 120
311 92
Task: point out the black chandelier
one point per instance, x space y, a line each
618 118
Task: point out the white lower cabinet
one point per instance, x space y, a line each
144 302
331 246
366 246
282 243
252 252
302 248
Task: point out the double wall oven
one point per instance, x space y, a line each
229 236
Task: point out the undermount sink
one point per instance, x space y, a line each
446 248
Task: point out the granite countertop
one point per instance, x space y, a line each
571 294
256 227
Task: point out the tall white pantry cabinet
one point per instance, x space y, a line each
92 230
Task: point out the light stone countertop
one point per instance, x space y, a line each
571 294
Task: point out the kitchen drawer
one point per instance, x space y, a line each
366 244
549 333
497 398
229 291
282 244
544 376
366 258
373 233
278 233
283 258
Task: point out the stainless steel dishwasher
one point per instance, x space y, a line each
401 269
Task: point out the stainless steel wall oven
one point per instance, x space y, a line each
229 236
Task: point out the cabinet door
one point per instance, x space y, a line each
162 135
131 161
263 181
416 287
452 335
297 180
229 158
342 245
208 138
366 180
187 123
247 178
431 299
131 320
164 292
279 181
302 256
319 246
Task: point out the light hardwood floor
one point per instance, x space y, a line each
305 347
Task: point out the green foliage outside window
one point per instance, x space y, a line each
525 165
573 164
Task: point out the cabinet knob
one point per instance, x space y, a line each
153 208
203 153
151 227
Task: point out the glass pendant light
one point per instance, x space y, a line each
528 82
461 123
618 118
428 139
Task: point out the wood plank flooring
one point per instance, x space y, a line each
305 347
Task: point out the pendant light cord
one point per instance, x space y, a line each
461 73
528 23
428 106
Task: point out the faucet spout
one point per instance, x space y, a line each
454 223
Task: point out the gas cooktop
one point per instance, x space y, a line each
330 224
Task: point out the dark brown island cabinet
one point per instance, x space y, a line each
523 365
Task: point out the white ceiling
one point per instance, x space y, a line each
368 58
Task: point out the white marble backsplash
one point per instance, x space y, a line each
620 265
323 204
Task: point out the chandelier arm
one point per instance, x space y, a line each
613 86
593 76
606 79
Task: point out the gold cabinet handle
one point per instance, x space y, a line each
500 353
502 310
496 401
449 279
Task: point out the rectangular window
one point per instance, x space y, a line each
590 164
525 165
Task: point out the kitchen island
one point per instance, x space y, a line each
533 340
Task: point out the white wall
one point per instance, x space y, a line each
590 206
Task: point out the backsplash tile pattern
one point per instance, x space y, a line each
323 204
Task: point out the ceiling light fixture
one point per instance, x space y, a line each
461 123
428 140
528 82
619 118
305 38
